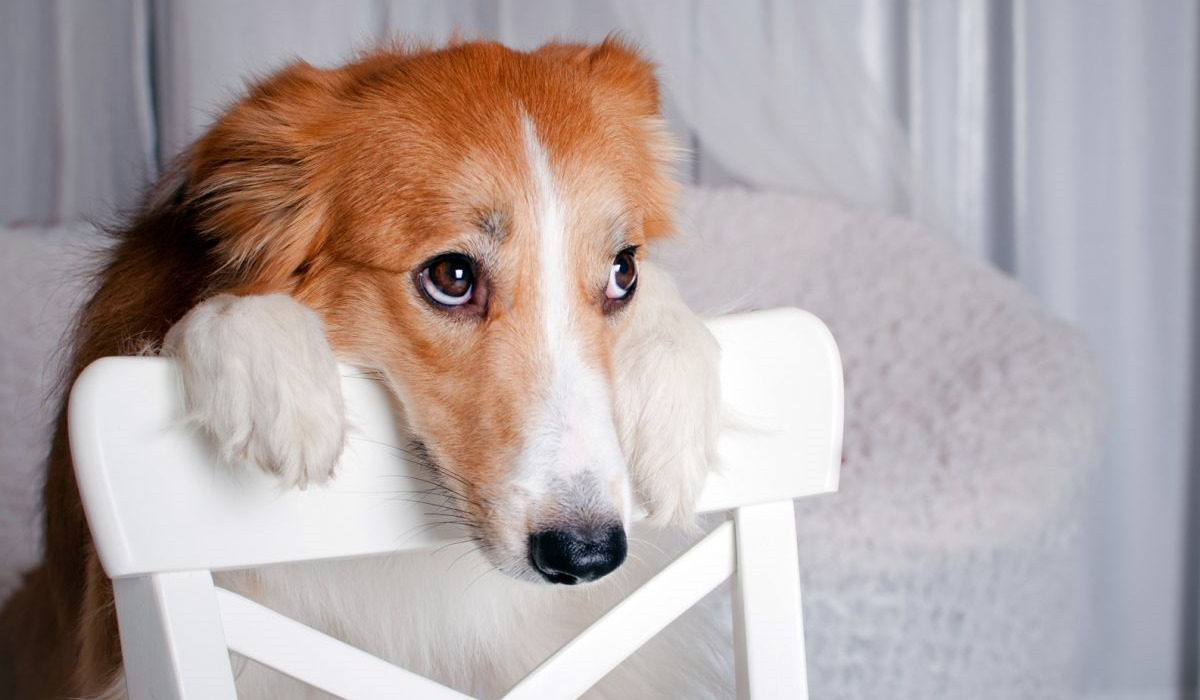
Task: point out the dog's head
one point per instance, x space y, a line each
467 221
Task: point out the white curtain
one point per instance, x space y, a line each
1056 139
778 92
76 123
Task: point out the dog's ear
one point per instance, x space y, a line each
618 66
250 179
630 77
629 88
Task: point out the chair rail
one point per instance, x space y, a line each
148 478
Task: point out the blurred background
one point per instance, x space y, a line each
1051 143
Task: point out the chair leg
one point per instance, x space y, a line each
768 621
172 640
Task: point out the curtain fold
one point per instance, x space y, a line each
77 130
1058 141
778 92
1105 238
206 51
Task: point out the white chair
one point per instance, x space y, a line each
163 517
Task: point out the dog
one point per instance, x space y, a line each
472 226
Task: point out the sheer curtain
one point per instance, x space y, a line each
76 119
1058 141
1055 139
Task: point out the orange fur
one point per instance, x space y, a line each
334 186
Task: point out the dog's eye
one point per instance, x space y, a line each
448 280
622 277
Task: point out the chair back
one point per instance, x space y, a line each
164 513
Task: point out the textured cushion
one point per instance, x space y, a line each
947 565
960 391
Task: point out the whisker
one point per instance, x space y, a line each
373 376
438 486
648 543
464 540
440 506
462 556
636 558
422 528
491 568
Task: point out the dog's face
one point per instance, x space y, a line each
467 222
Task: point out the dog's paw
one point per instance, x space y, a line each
260 378
668 401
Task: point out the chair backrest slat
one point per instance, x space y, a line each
158 499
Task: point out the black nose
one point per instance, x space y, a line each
577 555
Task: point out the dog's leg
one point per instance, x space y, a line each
261 379
668 399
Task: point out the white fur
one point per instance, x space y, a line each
260 378
573 432
668 408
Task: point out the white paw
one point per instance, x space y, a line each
261 379
668 400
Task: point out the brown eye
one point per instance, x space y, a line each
448 280
622 277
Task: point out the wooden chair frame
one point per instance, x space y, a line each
163 517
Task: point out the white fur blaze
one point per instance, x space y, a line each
260 378
668 399
573 432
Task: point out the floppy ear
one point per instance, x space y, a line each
616 64
628 89
668 408
619 66
630 80
251 181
